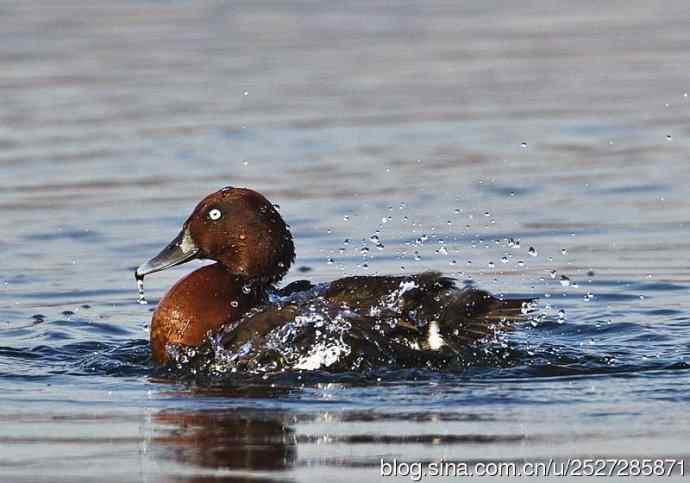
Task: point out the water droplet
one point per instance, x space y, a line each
523 145
140 289
346 218
553 273
235 303
417 257
588 296
374 239
453 262
246 289
563 251
486 213
532 251
565 281
520 263
331 261
457 211
364 251
379 246
504 259
492 265
245 93
513 243
442 251
668 137
365 266
346 241
276 206
561 316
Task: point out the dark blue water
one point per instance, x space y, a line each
564 127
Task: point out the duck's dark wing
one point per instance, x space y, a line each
462 316
269 339
377 321
469 315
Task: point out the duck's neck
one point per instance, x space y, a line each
199 304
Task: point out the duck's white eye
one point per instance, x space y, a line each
215 214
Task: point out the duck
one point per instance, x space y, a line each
351 323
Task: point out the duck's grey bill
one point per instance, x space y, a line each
180 250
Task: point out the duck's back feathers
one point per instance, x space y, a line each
364 292
294 287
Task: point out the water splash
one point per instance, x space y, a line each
141 298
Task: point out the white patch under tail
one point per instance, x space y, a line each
434 338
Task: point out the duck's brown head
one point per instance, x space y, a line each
236 227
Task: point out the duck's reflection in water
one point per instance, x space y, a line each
230 443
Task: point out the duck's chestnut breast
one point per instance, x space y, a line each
198 304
